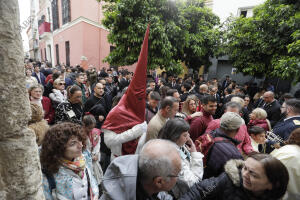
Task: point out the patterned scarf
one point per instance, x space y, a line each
78 165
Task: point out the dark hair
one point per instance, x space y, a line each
54 144
56 75
88 120
168 101
208 98
163 91
171 92
276 173
150 81
148 91
256 130
74 70
125 72
294 137
78 74
229 90
287 96
155 96
173 129
187 86
294 104
72 89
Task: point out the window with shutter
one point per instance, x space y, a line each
54 6
66 11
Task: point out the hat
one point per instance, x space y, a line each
130 111
231 121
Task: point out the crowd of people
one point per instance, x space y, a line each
199 139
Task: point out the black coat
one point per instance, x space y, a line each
227 186
273 111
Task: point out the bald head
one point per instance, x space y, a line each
159 158
99 89
268 97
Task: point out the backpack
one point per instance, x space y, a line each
204 144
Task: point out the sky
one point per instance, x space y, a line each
223 8
24 7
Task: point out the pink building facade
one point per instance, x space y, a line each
71 33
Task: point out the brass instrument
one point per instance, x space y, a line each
273 137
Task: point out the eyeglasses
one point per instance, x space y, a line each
61 84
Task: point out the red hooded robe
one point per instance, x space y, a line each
130 111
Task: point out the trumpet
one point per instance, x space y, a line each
273 137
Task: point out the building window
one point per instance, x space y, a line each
57 54
41 54
49 17
66 11
55 15
243 13
45 54
67 44
50 55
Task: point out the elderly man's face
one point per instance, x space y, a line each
268 98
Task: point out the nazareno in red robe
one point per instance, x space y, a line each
130 111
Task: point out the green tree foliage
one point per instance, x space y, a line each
181 31
267 43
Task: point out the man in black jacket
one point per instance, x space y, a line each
272 107
224 149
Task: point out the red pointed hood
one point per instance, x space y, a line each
130 111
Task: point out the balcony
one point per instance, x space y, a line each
44 29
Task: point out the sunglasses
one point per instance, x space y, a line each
61 84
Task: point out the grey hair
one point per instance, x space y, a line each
151 166
233 104
239 100
35 86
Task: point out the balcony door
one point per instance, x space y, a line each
67 53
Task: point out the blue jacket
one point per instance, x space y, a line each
40 81
69 185
283 129
220 153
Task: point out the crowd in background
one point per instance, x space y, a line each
69 106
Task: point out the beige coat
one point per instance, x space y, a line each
154 126
289 155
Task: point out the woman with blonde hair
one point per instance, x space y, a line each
258 117
59 94
190 105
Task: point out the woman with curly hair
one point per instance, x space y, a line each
289 155
68 172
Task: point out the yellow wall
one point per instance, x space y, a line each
185 70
